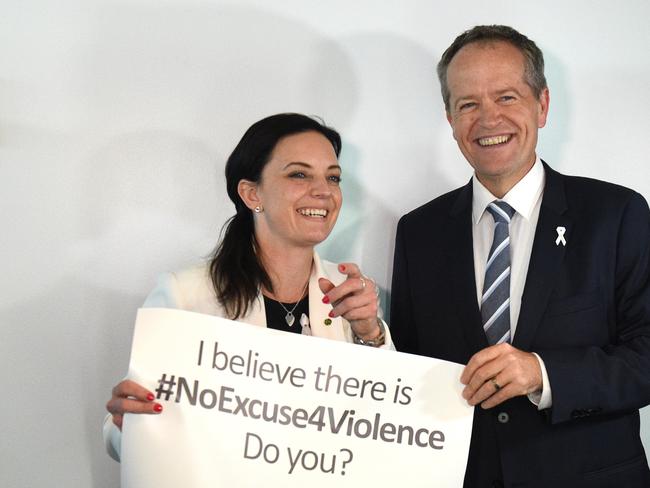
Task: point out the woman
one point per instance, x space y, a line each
283 178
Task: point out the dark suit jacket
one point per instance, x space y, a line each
585 310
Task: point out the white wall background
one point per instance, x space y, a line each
116 119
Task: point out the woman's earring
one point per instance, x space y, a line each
258 209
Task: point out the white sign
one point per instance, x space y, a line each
245 406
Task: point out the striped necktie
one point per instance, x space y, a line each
495 301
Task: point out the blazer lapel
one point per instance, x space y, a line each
461 257
545 260
321 324
319 320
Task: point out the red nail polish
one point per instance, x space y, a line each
150 397
326 299
157 408
342 268
331 314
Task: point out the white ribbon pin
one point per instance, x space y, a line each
560 236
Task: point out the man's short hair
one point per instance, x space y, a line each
534 59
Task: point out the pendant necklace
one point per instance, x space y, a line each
289 318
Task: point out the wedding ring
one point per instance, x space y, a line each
497 386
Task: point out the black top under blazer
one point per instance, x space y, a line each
585 310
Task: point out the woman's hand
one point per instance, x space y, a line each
130 397
356 300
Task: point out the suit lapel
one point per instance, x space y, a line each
461 259
545 260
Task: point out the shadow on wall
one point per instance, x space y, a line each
62 380
222 67
156 74
151 189
151 206
557 133
402 169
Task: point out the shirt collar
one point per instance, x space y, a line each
522 197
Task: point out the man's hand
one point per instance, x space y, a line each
498 373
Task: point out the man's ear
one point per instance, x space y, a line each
544 102
451 123
247 191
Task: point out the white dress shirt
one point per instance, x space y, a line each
526 198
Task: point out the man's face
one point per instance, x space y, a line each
494 113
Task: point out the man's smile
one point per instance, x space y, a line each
493 140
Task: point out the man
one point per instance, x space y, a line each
540 282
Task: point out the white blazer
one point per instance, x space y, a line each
192 290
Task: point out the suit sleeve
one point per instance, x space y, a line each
402 324
615 378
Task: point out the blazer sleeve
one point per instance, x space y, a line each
112 438
166 294
615 378
402 327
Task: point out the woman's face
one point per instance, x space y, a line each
299 191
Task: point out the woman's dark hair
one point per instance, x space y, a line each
235 267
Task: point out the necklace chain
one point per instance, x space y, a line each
289 318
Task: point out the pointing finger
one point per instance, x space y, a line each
350 269
325 285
